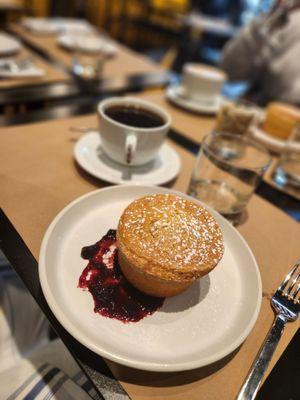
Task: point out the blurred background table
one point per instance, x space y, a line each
52 74
126 71
125 61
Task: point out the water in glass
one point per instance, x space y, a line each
223 179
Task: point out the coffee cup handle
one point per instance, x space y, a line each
130 147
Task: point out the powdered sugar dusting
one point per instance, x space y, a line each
177 232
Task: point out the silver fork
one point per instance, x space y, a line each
286 304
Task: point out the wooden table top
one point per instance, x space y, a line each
41 178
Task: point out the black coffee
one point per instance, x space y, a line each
134 116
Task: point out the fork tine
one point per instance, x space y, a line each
293 285
289 275
295 294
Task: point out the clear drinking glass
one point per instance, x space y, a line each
225 179
88 55
287 171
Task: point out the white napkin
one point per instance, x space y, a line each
9 69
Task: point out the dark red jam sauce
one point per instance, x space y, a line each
113 295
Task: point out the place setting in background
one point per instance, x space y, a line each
89 50
55 25
200 89
89 47
87 41
14 65
130 146
19 68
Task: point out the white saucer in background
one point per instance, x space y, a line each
41 26
273 143
96 44
9 45
176 95
53 25
90 157
198 327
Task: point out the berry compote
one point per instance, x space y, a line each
113 295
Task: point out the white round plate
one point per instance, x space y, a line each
200 326
273 143
41 25
69 42
176 95
90 157
50 26
9 45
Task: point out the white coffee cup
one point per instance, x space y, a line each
131 145
202 83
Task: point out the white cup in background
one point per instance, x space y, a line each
202 83
128 144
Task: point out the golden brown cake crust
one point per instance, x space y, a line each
170 237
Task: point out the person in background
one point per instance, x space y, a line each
266 53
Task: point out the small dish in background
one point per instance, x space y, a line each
274 144
52 26
9 45
176 94
276 125
71 41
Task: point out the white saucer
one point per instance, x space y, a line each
198 327
90 157
50 26
273 143
94 45
176 95
9 45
